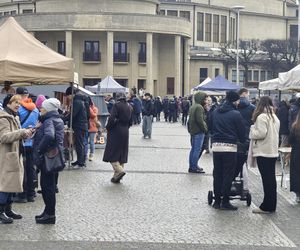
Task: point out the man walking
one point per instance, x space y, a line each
147 116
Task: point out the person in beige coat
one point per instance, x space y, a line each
11 164
265 139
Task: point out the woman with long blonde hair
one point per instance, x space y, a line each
294 140
265 136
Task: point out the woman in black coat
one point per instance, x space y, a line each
48 136
116 150
294 140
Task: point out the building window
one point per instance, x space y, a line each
141 84
269 75
233 75
255 76
61 47
123 82
208 19
120 52
6 13
172 13
170 86
217 72
142 52
91 51
203 74
162 12
232 29
185 14
14 12
91 81
241 75
27 11
249 74
1 13
223 29
200 26
294 32
262 75
216 28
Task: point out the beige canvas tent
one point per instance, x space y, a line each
24 59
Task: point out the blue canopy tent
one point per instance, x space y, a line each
219 84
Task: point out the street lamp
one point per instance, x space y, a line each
237 9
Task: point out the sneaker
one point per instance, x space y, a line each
227 206
196 171
259 211
74 163
216 205
91 157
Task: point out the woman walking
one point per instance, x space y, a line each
48 136
116 150
294 140
11 163
265 138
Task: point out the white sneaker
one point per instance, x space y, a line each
91 157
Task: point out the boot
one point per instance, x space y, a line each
4 219
46 219
10 213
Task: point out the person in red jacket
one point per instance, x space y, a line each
93 129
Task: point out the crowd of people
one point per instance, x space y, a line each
232 128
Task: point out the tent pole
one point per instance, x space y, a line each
71 127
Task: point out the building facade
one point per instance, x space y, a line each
166 46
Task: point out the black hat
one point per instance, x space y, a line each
69 91
232 96
6 100
22 91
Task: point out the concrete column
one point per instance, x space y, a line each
110 53
177 54
69 44
186 59
149 56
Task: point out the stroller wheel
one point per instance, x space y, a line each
210 197
249 199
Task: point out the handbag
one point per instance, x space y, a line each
54 161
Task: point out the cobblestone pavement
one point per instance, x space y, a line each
157 206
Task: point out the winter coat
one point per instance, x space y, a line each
246 109
27 106
227 125
137 109
165 105
196 123
110 104
11 163
265 136
283 116
185 106
81 112
172 106
93 118
294 140
157 106
148 108
49 135
118 133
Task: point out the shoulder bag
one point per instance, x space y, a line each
54 161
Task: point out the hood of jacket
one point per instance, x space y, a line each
28 104
244 103
199 97
226 107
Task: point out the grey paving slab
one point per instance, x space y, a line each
158 206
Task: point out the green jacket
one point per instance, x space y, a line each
197 124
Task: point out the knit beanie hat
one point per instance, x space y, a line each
232 96
51 104
40 99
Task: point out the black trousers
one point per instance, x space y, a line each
224 167
184 118
48 184
29 174
79 145
241 159
266 168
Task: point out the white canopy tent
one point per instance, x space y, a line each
207 80
290 80
272 84
25 59
107 85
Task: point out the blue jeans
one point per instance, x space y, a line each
196 143
92 142
5 198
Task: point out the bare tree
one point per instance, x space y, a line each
247 52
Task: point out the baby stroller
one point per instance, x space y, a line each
238 188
